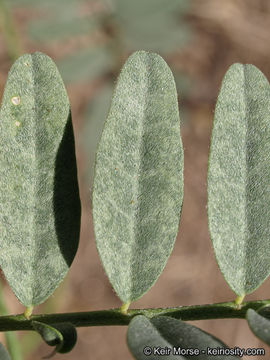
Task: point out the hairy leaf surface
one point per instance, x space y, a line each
39 198
138 184
239 179
259 325
166 332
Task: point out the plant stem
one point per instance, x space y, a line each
115 317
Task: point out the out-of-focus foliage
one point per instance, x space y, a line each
96 112
123 26
8 32
86 65
155 25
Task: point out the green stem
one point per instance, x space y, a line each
116 317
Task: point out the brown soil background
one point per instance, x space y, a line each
224 32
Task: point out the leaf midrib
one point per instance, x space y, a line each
137 186
35 112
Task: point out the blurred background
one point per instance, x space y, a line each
89 40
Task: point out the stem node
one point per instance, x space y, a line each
124 308
28 312
238 301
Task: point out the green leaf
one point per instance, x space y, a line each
138 183
3 353
63 336
178 339
39 198
239 179
259 325
143 337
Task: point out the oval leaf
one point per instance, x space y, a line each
63 336
259 325
239 179
39 198
3 353
138 183
147 337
